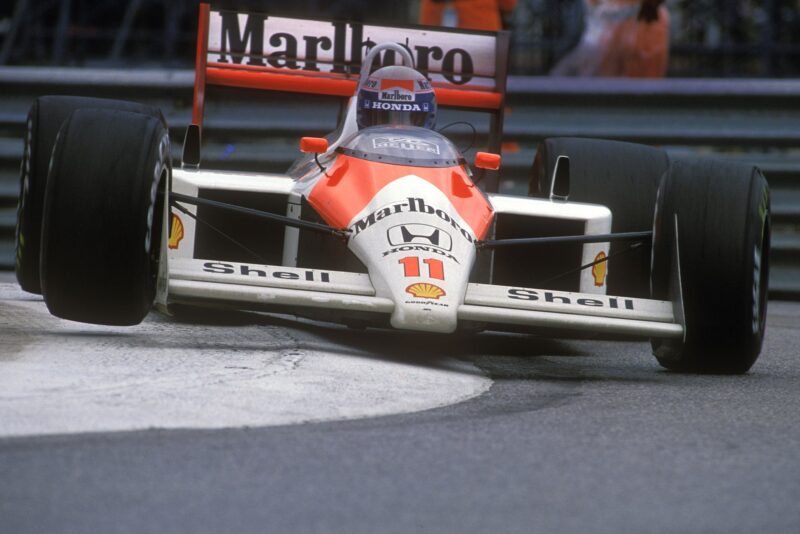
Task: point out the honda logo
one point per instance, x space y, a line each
424 234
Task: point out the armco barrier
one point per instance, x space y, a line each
755 121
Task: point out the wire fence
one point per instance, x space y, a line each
709 38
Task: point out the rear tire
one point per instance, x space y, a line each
622 176
45 118
723 218
103 217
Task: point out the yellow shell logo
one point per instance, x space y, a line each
425 291
599 270
176 233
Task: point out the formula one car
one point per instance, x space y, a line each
383 223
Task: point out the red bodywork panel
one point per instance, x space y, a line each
351 183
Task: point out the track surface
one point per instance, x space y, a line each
235 370
571 436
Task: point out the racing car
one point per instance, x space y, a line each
384 222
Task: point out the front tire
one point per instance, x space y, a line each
45 118
103 217
723 221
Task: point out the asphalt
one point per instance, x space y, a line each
572 436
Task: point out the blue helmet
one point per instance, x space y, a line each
396 95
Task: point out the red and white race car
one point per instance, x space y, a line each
381 223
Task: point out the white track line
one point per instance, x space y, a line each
64 377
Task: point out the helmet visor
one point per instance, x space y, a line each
376 109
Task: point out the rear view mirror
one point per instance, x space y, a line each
559 189
313 145
487 160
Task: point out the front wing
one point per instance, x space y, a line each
292 289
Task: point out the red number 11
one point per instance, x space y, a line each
411 267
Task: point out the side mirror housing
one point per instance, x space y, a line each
191 147
559 189
313 145
487 160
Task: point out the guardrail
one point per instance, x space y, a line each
756 121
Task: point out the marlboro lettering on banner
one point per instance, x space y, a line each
258 40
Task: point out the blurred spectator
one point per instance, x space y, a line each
472 14
622 38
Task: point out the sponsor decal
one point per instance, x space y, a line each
256 40
555 297
176 233
420 248
411 267
396 90
412 205
599 270
391 106
261 271
424 290
387 84
403 234
396 94
405 143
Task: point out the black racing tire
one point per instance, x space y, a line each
45 118
622 176
103 217
723 219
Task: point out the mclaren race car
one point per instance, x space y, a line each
384 222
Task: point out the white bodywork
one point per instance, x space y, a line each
418 247
201 281
385 291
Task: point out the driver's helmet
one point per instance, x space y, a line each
396 95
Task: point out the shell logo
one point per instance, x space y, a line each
425 291
176 233
599 269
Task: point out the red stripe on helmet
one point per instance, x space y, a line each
403 84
